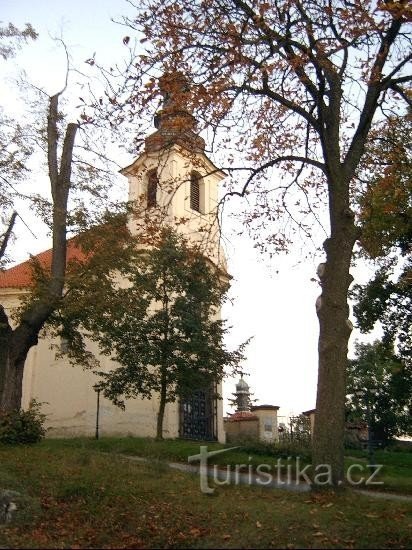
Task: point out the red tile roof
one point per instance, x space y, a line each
240 416
20 276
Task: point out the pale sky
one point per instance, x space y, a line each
274 299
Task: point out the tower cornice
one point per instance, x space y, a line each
202 160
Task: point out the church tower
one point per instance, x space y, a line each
173 181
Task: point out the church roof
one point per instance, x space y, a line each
174 123
21 275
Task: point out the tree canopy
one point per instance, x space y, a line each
380 380
389 302
11 39
14 149
385 203
386 218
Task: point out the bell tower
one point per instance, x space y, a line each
173 181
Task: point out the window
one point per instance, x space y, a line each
195 191
267 424
152 182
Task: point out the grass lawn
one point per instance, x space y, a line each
73 496
396 473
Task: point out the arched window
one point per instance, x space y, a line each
152 181
195 191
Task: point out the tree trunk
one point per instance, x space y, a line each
6 236
160 417
6 334
14 347
15 344
335 330
13 387
162 406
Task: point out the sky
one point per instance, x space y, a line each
273 298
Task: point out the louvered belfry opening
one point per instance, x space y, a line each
195 191
152 189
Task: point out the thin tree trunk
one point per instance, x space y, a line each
163 368
162 406
6 237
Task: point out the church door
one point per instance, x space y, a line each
198 416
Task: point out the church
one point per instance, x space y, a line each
174 179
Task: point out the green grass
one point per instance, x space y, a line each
396 473
178 449
78 498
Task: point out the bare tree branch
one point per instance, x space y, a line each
7 234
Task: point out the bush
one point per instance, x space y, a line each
22 427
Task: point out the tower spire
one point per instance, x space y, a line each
242 396
174 123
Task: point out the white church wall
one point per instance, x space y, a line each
69 399
70 402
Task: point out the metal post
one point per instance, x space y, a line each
370 439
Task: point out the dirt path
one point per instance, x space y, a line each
226 477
